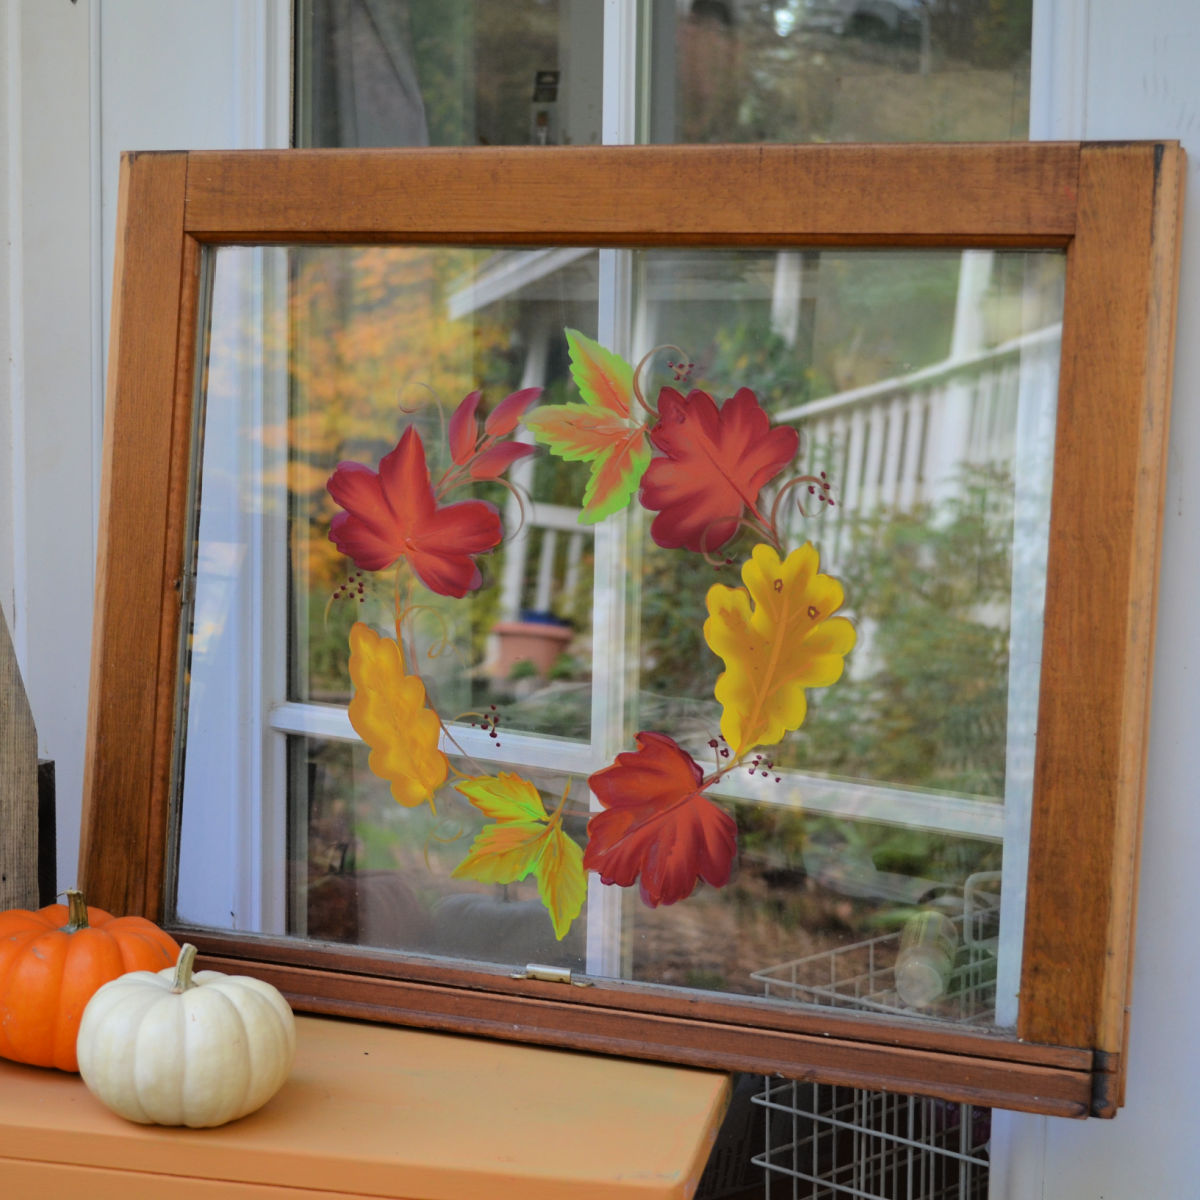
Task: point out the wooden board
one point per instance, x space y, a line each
376 1112
1113 416
18 785
725 195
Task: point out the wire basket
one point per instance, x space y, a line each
861 976
829 1143
825 1142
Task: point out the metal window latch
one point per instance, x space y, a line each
549 975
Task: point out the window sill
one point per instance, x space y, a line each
385 1112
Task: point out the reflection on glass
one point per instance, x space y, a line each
447 73
911 379
898 414
529 72
382 339
378 874
839 71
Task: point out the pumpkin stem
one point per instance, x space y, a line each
183 968
76 911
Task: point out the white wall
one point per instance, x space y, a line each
49 394
83 81
1137 77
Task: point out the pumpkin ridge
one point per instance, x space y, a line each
246 1061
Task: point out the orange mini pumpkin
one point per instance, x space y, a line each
52 962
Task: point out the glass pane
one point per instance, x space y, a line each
908 377
838 71
386 338
922 386
379 874
317 356
447 72
731 685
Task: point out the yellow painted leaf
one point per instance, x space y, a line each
503 853
562 882
505 797
777 636
524 841
389 712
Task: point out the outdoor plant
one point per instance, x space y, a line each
708 472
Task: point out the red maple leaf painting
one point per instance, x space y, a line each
393 513
658 828
713 464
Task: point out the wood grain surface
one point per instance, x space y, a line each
1110 469
18 784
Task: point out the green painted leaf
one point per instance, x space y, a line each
601 431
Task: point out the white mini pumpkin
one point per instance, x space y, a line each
173 1048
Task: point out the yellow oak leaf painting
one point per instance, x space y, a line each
777 636
389 712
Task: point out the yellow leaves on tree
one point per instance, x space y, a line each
524 841
389 712
777 636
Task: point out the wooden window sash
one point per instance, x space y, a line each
1114 209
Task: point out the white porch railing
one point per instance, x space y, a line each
893 444
904 441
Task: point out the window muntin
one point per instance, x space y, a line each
872 813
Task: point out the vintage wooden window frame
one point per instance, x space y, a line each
1114 208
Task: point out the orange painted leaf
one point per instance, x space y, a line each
524 841
713 465
389 712
658 828
602 430
777 636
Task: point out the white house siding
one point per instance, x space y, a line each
1137 78
82 81
51 387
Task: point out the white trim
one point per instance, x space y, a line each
332 723
619 102
1059 69
96 240
14 507
506 273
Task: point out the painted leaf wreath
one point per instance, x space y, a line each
703 469
524 841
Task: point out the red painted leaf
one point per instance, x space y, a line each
658 827
463 429
393 514
714 463
493 462
505 417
